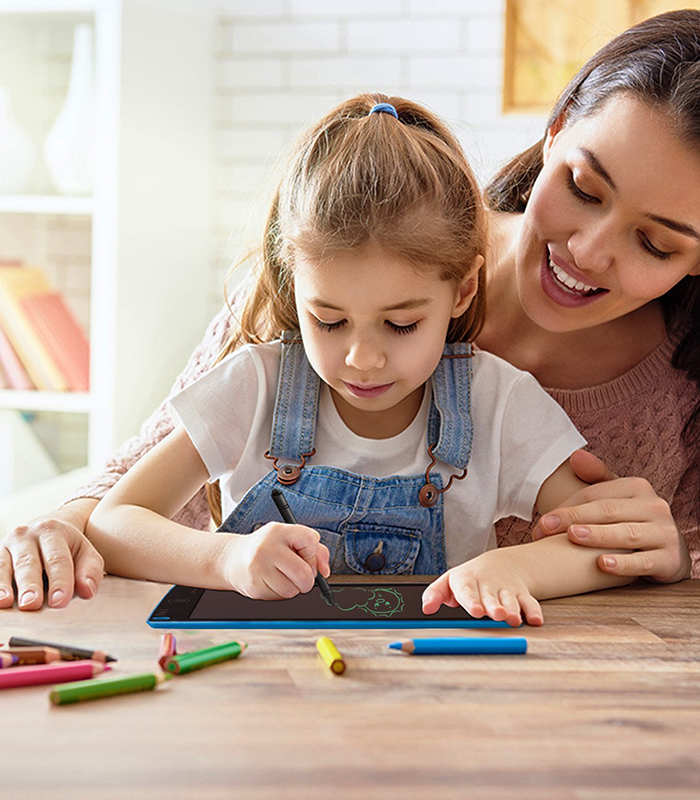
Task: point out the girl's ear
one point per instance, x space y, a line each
468 288
554 130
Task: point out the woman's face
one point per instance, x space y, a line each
613 221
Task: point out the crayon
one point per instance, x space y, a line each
7 660
462 646
168 648
288 516
197 659
330 655
68 652
33 655
50 673
80 691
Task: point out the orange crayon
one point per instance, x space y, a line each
6 660
33 655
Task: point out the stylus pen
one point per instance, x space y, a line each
471 645
288 517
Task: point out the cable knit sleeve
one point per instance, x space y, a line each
195 513
684 507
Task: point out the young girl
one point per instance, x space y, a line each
354 387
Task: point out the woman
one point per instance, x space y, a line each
594 252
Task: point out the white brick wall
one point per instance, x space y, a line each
283 63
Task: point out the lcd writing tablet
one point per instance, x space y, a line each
357 605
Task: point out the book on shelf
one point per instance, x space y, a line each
62 337
14 374
52 347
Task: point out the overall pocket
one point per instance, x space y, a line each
398 546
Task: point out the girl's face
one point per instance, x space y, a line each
374 330
613 221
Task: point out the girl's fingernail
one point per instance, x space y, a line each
581 532
609 561
27 598
91 583
550 521
57 597
3 594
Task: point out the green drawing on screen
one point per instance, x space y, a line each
381 602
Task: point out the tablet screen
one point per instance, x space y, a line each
372 604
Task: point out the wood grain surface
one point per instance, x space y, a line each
605 705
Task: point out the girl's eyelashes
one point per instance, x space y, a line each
334 326
402 328
643 239
330 326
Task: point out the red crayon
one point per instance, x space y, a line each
167 649
57 672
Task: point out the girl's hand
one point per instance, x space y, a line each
55 545
624 514
485 585
276 562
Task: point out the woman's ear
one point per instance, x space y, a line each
552 132
468 288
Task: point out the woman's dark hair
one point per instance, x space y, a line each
658 62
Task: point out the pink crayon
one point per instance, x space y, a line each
56 672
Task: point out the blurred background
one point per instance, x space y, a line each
140 141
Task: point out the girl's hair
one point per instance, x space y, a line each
657 62
356 179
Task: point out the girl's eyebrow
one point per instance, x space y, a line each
679 227
406 304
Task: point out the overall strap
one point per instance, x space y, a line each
450 426
296 406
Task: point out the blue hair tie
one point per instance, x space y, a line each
387 108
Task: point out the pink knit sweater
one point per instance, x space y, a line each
633 423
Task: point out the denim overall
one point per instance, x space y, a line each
389 526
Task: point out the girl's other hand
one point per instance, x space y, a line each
277 561
485 585
55 545
624 514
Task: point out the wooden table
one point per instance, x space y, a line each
606 704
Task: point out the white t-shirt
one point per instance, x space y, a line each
520 438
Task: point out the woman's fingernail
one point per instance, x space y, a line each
580 531
609 561
91 583
537 534
3 594
27 598
57 597
550 521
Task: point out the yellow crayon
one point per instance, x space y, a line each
329 653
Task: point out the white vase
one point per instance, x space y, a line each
68 149
17 149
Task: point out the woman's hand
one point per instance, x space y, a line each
276 562
488 584
624 514
56 545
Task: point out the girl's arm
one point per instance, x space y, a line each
133 530
503 583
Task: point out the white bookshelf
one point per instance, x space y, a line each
148 219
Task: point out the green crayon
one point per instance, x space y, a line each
78 691
187 662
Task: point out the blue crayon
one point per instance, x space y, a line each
462 645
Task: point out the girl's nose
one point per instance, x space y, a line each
365 355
